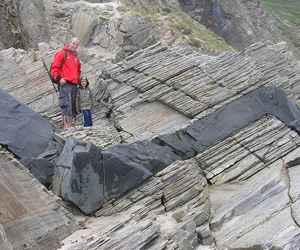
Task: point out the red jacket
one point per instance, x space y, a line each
71 69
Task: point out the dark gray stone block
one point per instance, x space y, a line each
83 181
40 168
30 137
230 119
126 166
96 177
24 132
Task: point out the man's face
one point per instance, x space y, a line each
73 45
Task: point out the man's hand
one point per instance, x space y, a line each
62 81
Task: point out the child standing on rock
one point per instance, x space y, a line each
84 101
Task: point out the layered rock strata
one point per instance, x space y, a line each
226 186
253 201
31 217
95 177
191 84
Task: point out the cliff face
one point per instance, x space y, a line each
239 23
242 23
9 26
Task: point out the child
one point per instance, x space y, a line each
84 101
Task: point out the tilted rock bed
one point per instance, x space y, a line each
221 172
254 202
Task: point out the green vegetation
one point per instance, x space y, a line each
285 2
131 6
104 20
182 27
290 13
166 10
13 20
33 54
288 17
195 42
195 34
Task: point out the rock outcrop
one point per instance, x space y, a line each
215 165
31 217
239 23
191 84
251 201
187 151
115 29
95 177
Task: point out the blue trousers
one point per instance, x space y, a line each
87 118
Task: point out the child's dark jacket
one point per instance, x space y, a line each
84 99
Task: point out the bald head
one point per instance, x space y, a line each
74 44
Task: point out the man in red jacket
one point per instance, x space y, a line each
66 69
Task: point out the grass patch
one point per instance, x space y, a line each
34 56
285 2
104 20
194 33
195 42
183 26
289 11
166 11
131 6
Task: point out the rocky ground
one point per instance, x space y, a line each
229 193
241 191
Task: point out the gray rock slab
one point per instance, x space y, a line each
294 175
296 211
279 232
246 152
262 197
208 85
230 119
30 215
24 132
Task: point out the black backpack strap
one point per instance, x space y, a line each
66 55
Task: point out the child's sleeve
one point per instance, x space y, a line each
92 99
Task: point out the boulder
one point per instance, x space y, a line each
24 132
32 21
83 27
126 166
82 182
92 177
30 137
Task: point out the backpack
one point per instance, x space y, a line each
49 70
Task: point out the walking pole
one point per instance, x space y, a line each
61 177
